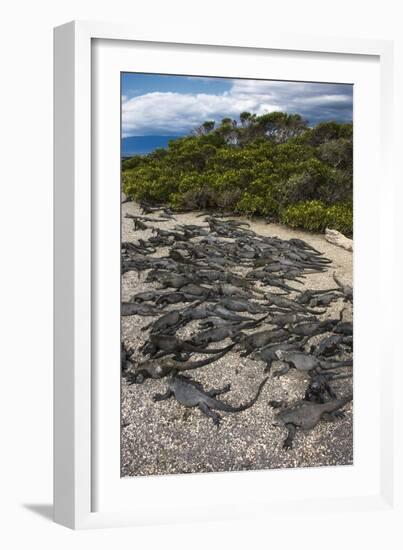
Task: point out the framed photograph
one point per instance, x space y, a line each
218 210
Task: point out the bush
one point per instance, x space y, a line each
262 205
306 215
316 216
266 165
250 204
202 198
228 199
340 217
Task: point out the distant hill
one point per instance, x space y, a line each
142 145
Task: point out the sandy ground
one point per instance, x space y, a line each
166 438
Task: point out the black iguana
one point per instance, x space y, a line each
304 362
306 415
158 368
192 394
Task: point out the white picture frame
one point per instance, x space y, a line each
86 491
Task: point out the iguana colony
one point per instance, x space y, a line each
242 293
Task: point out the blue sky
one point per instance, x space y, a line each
175 105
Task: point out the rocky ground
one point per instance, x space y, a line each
166 438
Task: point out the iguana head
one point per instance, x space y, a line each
148 369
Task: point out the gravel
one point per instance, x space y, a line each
166 438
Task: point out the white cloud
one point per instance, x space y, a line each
201 78
177 113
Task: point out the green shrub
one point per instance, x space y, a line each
251 204
228 199
259 204
309 215
202 198
270 165
340 217
316 216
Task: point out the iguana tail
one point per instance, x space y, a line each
253 323
336 365
221 406
339 283
203 362
337 404
340 376
190 347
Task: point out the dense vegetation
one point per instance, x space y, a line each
272 165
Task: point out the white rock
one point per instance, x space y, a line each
337 238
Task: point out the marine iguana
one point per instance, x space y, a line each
129 308
324 300
240 305
165 322
328 346
279 283
174 280
174 298
172 320
192 394
215 322
286 303
144 218
159 368
197 312
283 319
170 235
257 340
217 334
268 353
271 280
319 388
139 225
344 327
162 344
147 296
318 298
305 362
307 295
312 328
125 357
306 415
346 289
304 245
196 290
211 275
138 248
236 280
221 311
226 289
